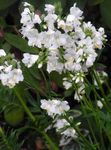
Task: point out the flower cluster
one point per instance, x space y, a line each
10 72
63 126
70 45
78 81
56 109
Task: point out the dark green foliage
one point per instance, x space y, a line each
105 8
6 3
19 43
9 141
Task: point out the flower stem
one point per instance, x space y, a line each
24 105
52 144
49 140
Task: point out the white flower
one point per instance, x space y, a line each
80 92
79 34
51 17
76 12
50 20
49 8
2 53
89 29
54 65
11 78
67 84
29 59
70 132
61 123
70 18
65 140
36 19
72 50
40 65
91 59
102 75
61 24
29 19
10 72
79 77
99 104
54 107
26 17
32 36
63 126
8 68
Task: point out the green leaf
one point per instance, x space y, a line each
95 2
29 79
6 3
19 43
6 46
32 82
9 140
88 89
105 8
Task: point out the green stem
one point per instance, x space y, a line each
5 139
52 144
97 119
24 105
83 139
98 96
99 83
90 127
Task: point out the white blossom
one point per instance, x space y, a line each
67 84
2 53
99 104
11 78
79 77
29 18
29 59
50 20
61 24
49 8
76 12
36 19
64 140
102 75
79 92
54 107
70 132
61 123
10 70
67 44
64 128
